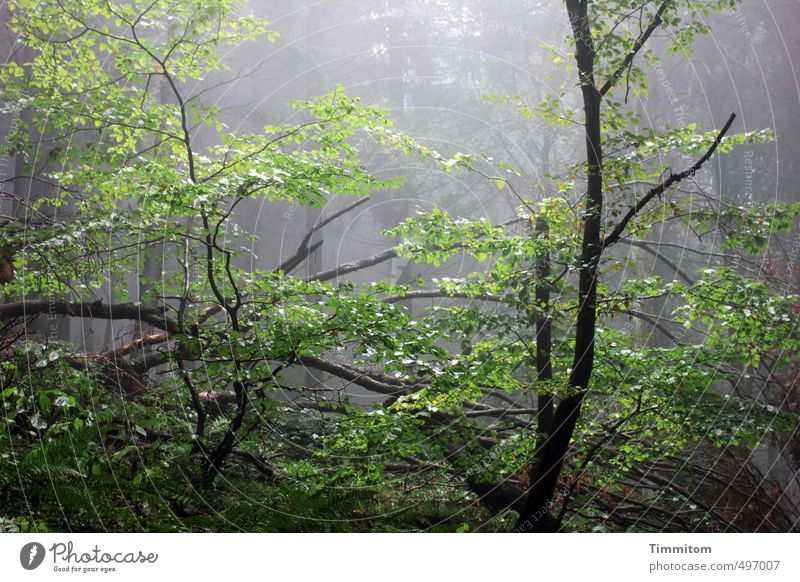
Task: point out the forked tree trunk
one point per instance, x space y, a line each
535 516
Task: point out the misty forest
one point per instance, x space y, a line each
416 266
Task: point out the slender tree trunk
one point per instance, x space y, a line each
544 347
544 327
535 516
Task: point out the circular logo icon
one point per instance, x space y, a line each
31 555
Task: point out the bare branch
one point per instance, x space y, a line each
665 185
637 46
155 316
654 252
372 381
438 293
346 268
303 249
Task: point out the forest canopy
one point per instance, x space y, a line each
605 346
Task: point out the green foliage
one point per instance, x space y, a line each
456 386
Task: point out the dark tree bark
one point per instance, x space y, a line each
534 518
544 348
551 454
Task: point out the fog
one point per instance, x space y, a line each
442 68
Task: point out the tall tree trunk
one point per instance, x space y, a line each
535 516
544 330
544 347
